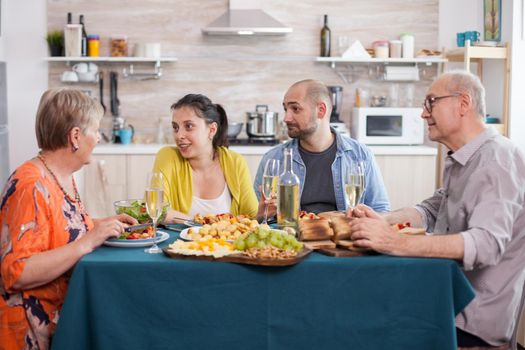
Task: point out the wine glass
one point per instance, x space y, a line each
270 182
154 204
355 184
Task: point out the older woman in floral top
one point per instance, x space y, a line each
44 229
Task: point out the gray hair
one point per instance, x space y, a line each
316 91
463 81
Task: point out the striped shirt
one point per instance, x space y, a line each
483 200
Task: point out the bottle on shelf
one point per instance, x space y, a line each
288 195
326 38
84 41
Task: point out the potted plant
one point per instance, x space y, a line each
55 41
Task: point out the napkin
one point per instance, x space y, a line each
356 50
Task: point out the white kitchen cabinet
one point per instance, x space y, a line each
138 168
253 161
408 178
119 172
104 182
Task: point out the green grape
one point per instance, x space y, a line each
297 246
263 233
240 244
276 241
261 244
251 240
289 238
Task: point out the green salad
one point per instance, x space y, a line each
137 209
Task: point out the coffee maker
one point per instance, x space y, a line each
336 95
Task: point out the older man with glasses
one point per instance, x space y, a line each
477 218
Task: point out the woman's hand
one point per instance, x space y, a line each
108 227
270 202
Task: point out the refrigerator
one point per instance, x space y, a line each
4 141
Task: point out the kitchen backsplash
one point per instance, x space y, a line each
240 72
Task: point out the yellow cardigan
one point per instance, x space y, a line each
178 181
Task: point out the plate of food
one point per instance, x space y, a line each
128 242
223 229
262 246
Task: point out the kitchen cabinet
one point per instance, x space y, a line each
409 179
119 172
104 181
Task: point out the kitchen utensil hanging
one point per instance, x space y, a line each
131 74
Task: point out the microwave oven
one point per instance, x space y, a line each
388 126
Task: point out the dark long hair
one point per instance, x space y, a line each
210 112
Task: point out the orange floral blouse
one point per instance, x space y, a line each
35 216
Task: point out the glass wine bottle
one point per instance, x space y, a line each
326 38
288 195
84 45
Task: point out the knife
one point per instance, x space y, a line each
138 227
101 90
113 90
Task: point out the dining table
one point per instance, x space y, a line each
124 298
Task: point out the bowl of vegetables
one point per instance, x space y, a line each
137 208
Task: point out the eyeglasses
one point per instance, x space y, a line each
429 101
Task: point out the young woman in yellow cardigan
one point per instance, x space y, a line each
201 175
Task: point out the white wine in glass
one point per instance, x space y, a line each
355 184
270 182
154 204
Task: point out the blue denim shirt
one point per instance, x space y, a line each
348 151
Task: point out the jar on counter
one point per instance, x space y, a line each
119 46
408 45
380 48
395 48
93 42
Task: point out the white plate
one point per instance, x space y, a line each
184 233
135 243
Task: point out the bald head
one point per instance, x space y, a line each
316 92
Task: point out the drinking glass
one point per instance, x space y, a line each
355 184
154 204
270 182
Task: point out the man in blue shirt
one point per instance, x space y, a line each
321 156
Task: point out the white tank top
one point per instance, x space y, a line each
219 205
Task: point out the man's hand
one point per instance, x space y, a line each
370 230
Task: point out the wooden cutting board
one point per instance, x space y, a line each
342 252
243 259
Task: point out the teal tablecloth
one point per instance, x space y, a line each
122 298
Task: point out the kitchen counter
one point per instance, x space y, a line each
257 150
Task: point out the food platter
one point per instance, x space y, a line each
184 234
136 243
243 259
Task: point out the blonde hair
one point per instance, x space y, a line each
61 110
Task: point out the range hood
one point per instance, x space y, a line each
245 17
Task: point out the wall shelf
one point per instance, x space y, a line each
110 59
427 60
128 73
346 70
